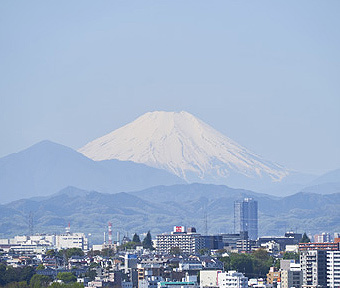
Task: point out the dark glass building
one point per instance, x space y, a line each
246 217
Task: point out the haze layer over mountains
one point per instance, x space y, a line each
162 152
158 148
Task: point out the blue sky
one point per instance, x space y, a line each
265 73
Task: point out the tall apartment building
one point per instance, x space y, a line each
188 242
333 269
246 217
314 268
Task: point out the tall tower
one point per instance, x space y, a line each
110 233
246 217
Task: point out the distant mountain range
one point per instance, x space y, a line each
159 208
189 148
47 167
159 148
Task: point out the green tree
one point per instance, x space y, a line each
68 253
63 285
261 255
40 267
66 277
204 251
94 265
91 273
107 252
262 261
226 263
9 274
242 263
51 253
147 241
26 273
21 284
305 238
291 255
39 281
74 252
136 238
128 245
175 251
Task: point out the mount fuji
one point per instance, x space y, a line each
189 148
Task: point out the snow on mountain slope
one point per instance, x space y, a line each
184 145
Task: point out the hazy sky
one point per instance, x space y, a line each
265 73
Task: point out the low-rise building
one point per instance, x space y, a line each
273 276
209 278
72 240
232 279
177 284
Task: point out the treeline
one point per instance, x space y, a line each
25 277
65 253
146 243
256 264
8 274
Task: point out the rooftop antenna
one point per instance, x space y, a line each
68 228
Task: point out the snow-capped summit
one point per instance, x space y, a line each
187 147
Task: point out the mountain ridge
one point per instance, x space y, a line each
184 145
90 211
47 167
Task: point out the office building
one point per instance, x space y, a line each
246 217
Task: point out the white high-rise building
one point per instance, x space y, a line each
333 269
